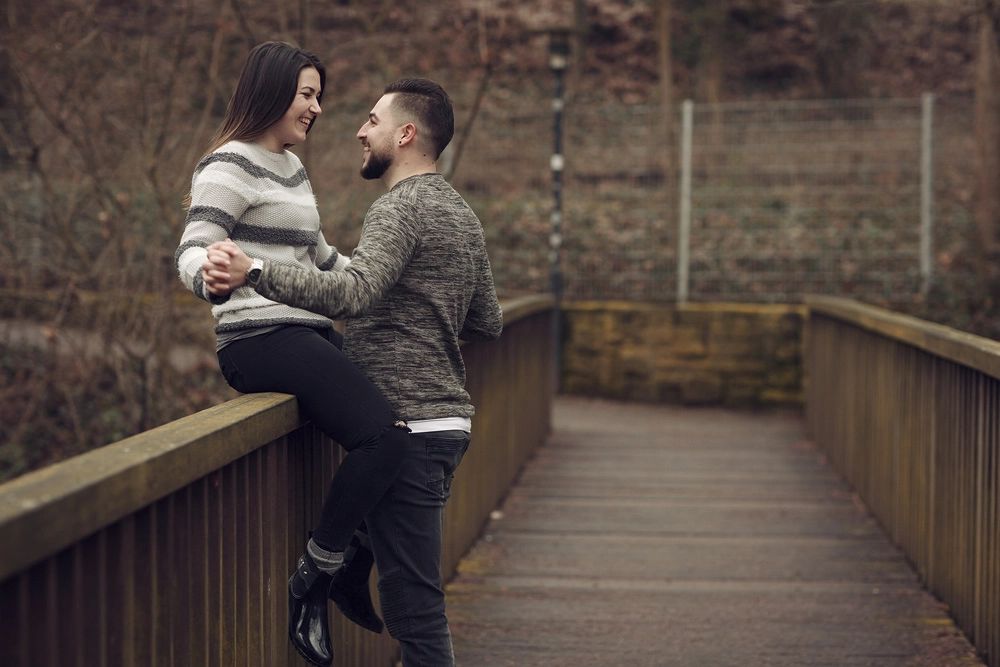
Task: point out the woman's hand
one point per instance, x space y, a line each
225 268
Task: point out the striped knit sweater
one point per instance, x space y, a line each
418 281
262 201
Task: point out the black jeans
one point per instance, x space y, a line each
341 401
406 527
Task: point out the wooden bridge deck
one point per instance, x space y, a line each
656 535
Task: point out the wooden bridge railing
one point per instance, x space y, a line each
909 412
173 547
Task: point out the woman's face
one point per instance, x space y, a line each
291 128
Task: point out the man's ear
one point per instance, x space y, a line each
408 134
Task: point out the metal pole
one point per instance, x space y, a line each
558 61
684 213
926 193
557 162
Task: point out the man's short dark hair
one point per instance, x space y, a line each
428 106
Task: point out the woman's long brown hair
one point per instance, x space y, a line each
266 88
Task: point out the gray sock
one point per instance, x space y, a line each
327 561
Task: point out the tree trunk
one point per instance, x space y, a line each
711 62
667 103
582 27
711 65
842 45
987 123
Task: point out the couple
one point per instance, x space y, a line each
393 397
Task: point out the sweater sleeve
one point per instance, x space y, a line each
218 199
327 258
388 240
484 320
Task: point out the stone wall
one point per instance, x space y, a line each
731 354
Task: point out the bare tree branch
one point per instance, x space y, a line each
486 61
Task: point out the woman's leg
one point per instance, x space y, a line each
347 407
342 402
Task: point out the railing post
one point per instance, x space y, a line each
684 204
226 496
926 415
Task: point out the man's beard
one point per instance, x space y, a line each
376 166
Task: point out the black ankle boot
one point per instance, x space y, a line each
354 599
308 627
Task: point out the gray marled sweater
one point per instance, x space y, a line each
418 281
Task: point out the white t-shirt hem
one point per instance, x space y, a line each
442 424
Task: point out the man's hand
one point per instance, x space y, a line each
225 269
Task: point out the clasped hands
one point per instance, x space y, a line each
225 268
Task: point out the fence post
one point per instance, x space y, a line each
926 192
684 203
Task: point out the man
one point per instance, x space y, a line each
418 281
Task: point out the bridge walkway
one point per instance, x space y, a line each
660 535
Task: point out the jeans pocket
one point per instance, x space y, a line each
444 452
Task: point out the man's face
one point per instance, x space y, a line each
376 137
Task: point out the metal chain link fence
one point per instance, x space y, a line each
786 198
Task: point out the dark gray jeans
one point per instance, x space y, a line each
406 527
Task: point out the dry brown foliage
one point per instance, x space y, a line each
106 105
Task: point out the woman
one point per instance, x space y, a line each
250 189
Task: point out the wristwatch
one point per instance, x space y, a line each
253 273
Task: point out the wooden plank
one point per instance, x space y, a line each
668 536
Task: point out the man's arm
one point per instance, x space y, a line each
388 240
484 321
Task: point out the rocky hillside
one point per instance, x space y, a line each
766 48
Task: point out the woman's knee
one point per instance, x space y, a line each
387 443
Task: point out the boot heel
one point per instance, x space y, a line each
355 603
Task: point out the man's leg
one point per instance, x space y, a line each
406 527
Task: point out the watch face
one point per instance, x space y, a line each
253 273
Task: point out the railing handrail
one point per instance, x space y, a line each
525 306
967 349
47 510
